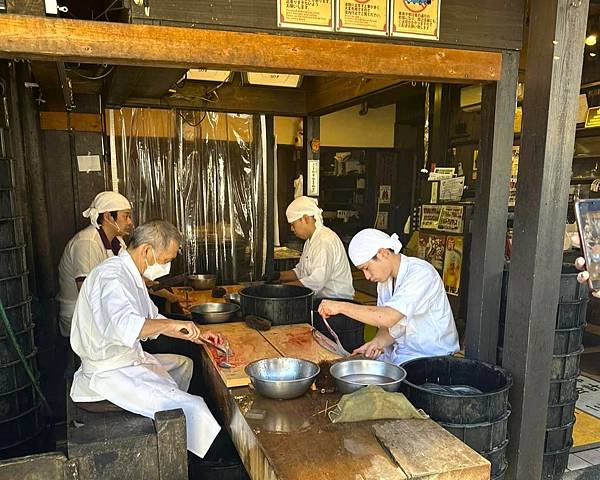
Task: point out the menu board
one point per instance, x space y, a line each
453 264
416 18
362 16
430 216
305 14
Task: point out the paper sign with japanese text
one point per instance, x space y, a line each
416 18
362 16
305 14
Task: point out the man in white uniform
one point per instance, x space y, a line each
323 265
113 313
413 314
110 218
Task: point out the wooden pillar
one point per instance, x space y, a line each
489 226
554 62
312 149
270 135
440 123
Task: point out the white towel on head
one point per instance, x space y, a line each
106 202
304 206
366 243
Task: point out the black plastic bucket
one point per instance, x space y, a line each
13 261
281 304
559 437
489 406
563 391
11 232
568 340
19 317
555 463
7 178
565 366
8 353
350 332
481 437
560 414
7 203
571 314
14 290
497 457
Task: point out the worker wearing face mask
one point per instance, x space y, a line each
113 314
110 219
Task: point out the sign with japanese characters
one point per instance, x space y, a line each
416 19
362 16
305 14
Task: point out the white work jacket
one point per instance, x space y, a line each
83 252
111 310
428 327
324 266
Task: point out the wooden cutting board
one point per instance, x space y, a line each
189 298
297 341
247 344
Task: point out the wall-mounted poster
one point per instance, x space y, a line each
362 16
422 247
434 251
305 14
385 193
416 19
430 216
451 218
382 220
453 264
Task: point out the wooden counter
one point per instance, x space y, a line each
294 440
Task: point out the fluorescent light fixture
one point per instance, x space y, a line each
274 79
590 40
592 54
209 75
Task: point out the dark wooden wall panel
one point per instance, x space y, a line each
487 24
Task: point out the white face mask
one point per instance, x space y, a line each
156 270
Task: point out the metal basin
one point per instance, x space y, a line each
351 375
282 378
214 312
203 281
233 298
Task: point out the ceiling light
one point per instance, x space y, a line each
592 54
209 75
590 40
274 79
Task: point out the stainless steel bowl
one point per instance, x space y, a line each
204 281
282 378
351 375
214 312
233 298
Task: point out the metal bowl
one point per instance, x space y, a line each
214 312
282 378
204 281
352 375
233 298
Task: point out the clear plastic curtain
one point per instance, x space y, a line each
204 172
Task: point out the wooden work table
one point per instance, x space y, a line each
294 439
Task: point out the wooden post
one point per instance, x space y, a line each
171 442
312 146
270 135
489 225
554 62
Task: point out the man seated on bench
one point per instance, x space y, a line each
113 313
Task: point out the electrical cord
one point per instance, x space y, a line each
21 355
99 77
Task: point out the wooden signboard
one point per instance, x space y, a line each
305 14
362 16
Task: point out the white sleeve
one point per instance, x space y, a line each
321 263
414 296
117 305
85 256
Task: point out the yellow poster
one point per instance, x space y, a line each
305 14
453 264
416 18
362 16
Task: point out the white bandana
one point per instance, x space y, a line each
106 202
366 243
304 206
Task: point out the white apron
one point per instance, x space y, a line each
110 312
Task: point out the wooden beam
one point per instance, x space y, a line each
231 98
555 56
489 223
81 122
148 45
328 94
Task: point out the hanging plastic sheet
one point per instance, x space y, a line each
204 172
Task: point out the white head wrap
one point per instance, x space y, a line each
366 243
304 206
106 202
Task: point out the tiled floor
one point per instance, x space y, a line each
583 459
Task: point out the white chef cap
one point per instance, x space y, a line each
366 243
304 206
106 202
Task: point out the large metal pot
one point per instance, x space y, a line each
203 281
282 378
215 312
280 304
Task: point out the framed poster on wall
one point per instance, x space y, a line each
368 17
306 14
